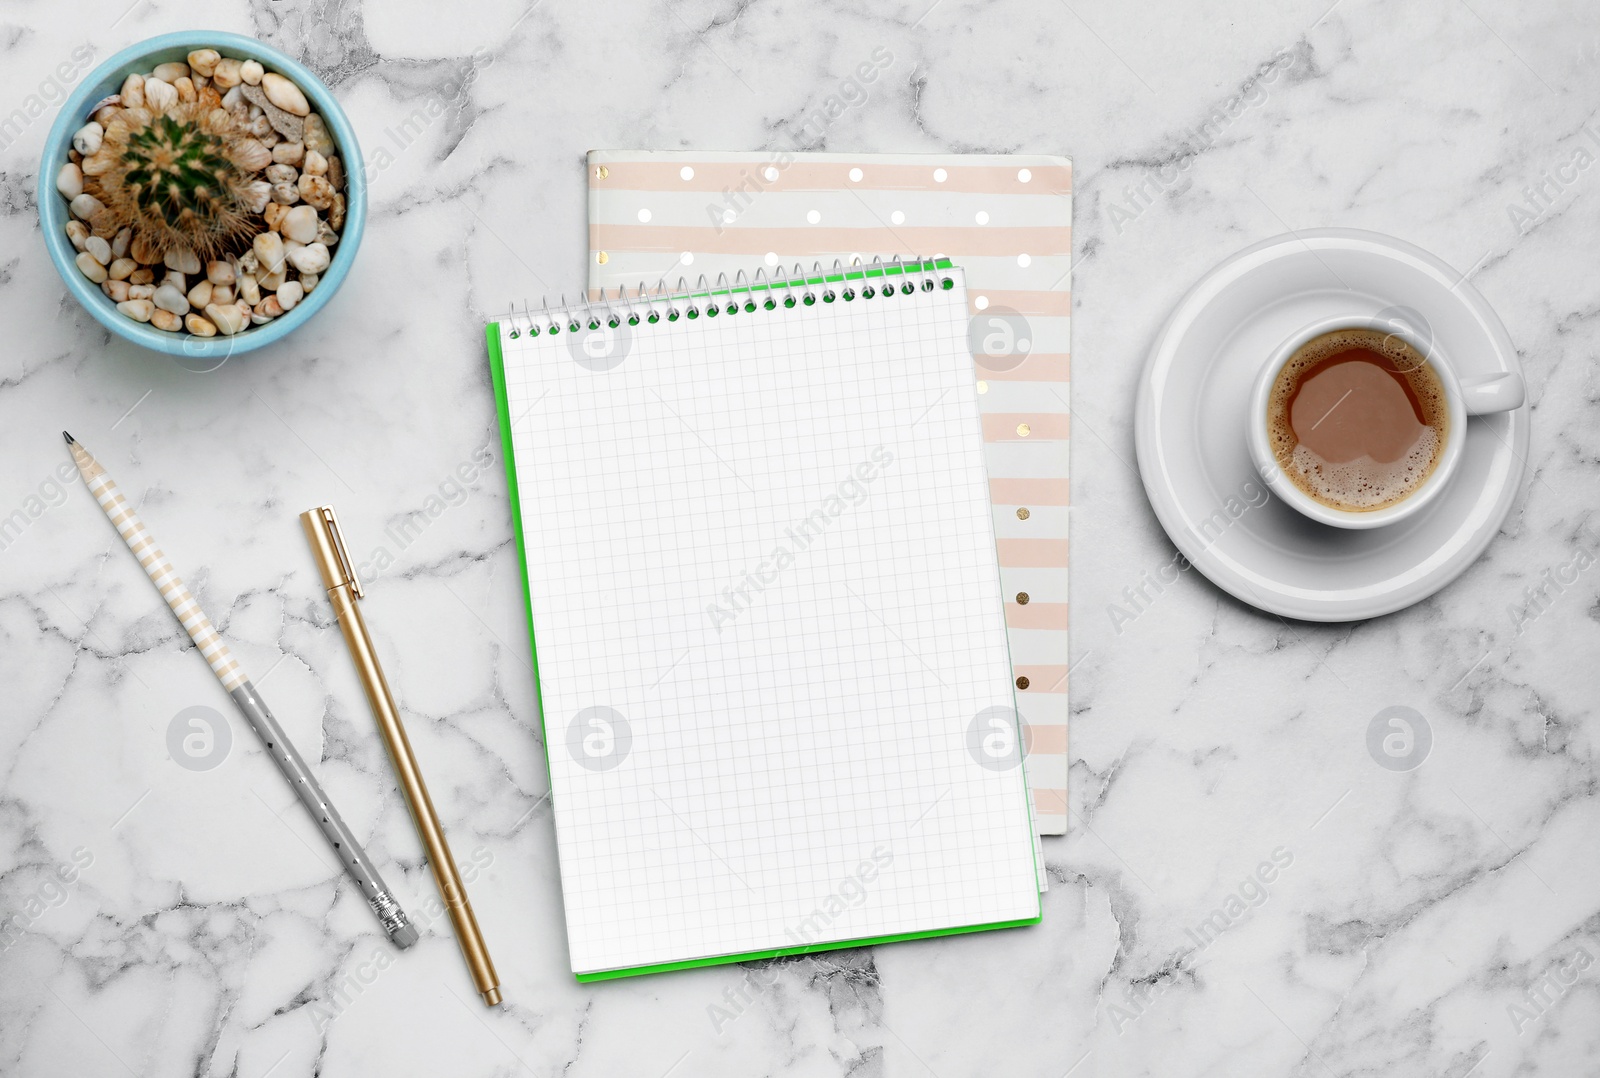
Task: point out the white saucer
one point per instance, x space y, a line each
1192 411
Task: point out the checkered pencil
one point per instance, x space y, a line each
187 610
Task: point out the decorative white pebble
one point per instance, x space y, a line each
69 181
249 290
227 318
289 153
280 173
250 155
169 72
78 233
159 96
120 244
171 298
141 291
315 164
251 71
121 268
285 94
309 281
200 294
219 272
266 311
222 293
226 73
117 290
132 92
204 61
258 195
139 310
299 224
311 258
98 249
268 248
87 139
86 206
90 268
289 294
199 326
317 191
166 320
316 135
97 164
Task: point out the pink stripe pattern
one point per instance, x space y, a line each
1007 221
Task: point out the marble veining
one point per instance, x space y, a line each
1247 886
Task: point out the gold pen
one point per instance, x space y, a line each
344 588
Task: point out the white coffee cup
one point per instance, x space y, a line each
1479 396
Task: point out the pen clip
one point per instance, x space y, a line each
330 521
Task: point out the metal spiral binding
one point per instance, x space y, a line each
780 289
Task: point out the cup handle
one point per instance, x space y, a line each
1497 393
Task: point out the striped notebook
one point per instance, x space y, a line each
1007 220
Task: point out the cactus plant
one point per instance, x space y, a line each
177 183
182 180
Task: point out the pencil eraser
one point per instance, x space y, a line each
404 936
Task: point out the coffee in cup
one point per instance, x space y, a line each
1357 419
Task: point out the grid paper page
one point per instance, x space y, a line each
769 629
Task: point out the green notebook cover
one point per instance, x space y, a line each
502 407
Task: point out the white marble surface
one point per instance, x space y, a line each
208 934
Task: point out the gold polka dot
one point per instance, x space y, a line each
1022 683
1023 430
602 258
601 172
983 387
1023 514
1022 598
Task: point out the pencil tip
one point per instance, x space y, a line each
68 437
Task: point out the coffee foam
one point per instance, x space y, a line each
1365 484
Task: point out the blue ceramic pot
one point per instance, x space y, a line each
106 80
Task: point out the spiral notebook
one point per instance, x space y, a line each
1007 220
767 618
